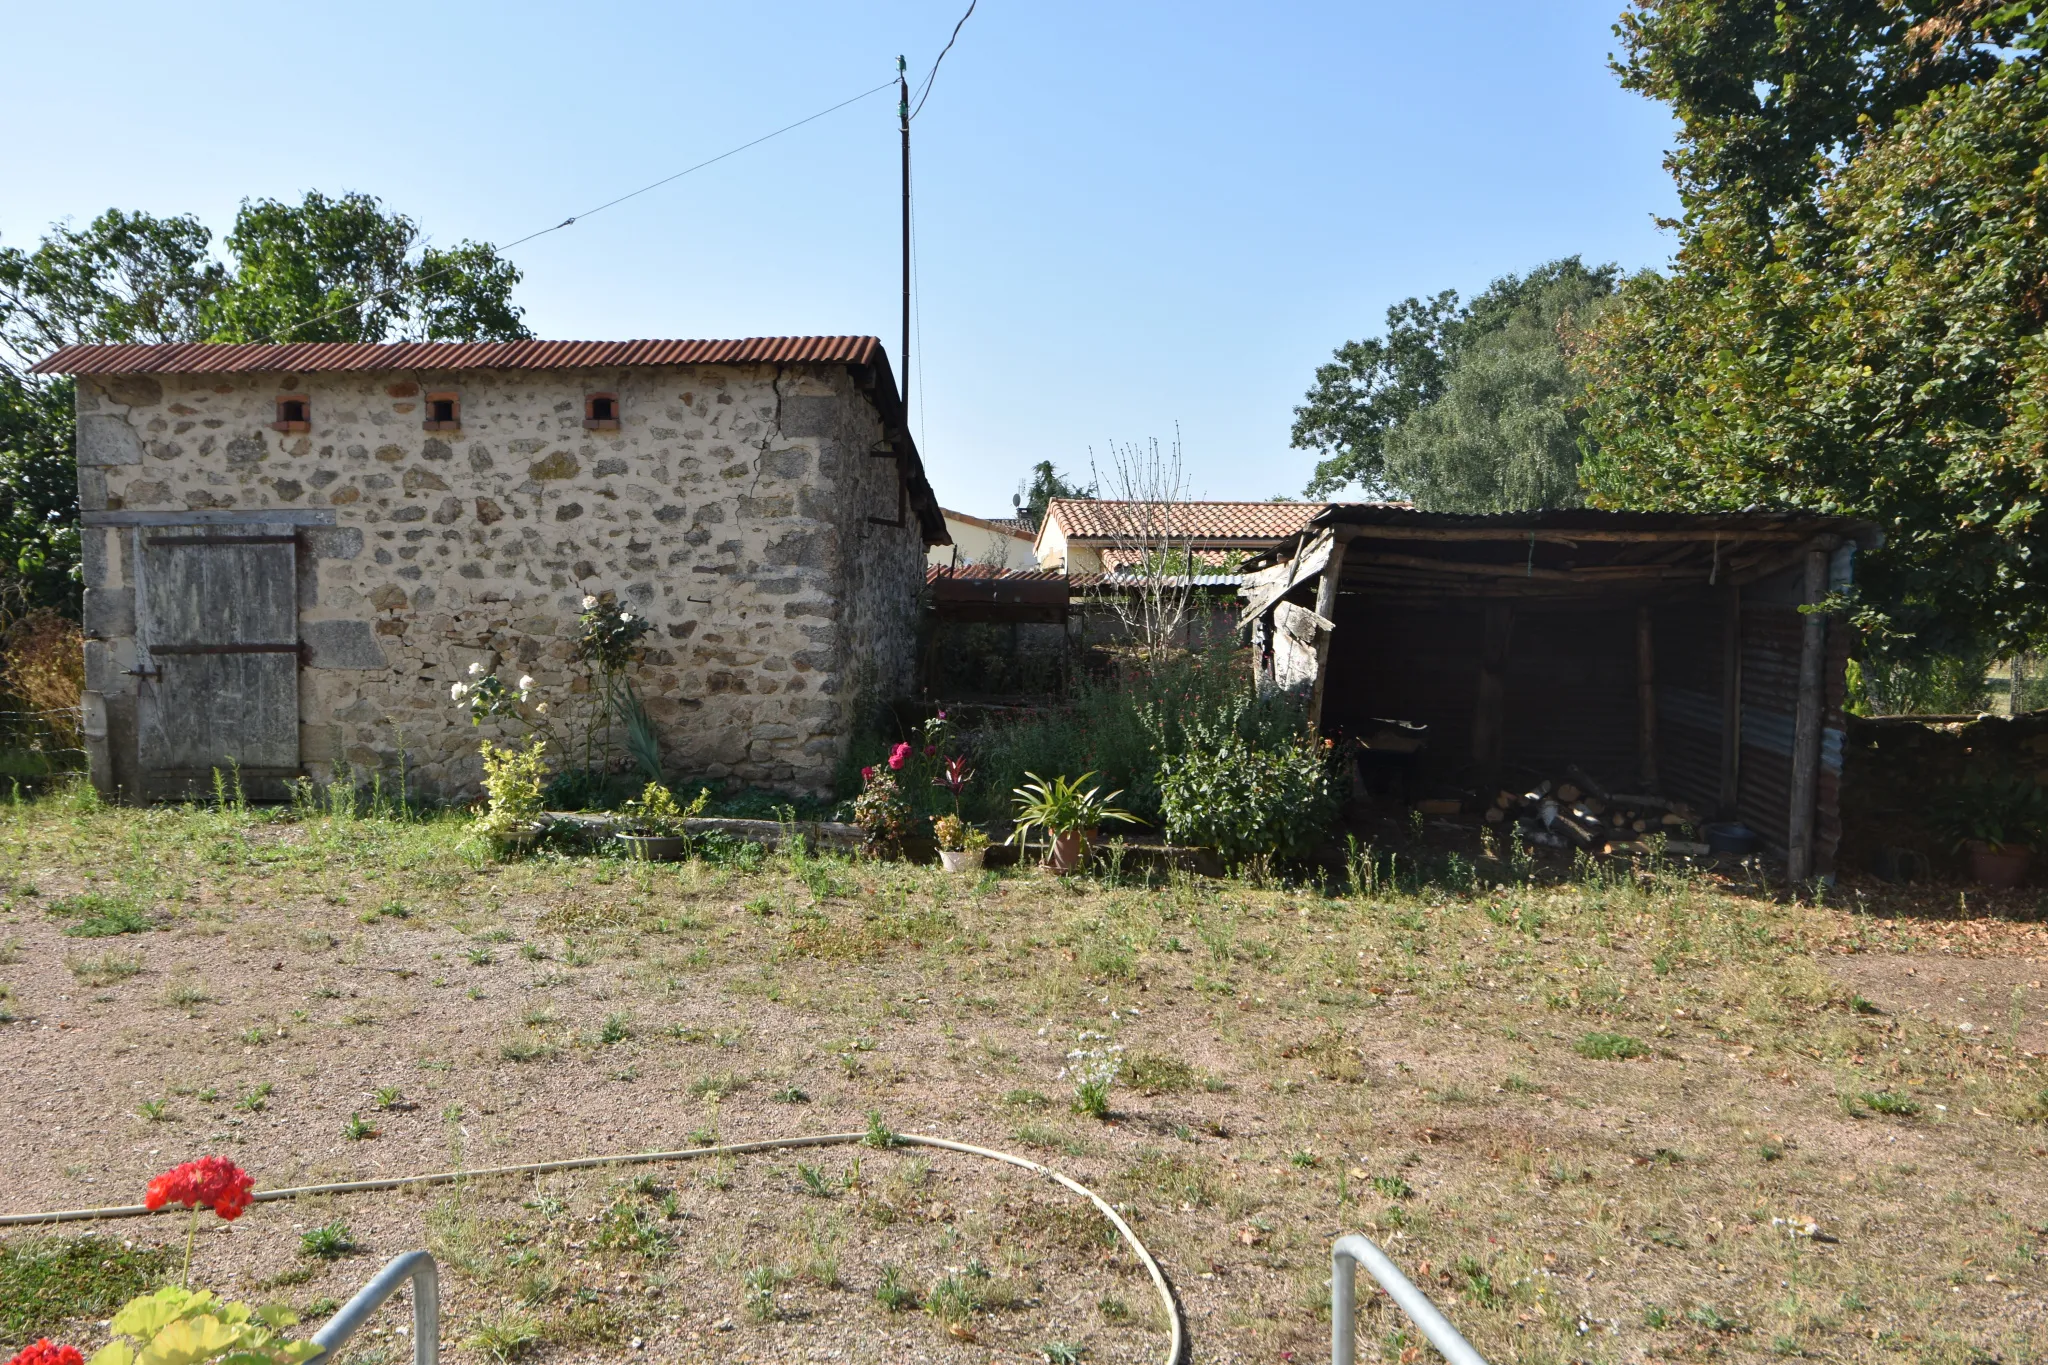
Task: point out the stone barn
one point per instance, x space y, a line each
292 551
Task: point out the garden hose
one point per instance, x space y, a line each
1177 1327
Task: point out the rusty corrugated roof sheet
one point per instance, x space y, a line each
314 357
1108 519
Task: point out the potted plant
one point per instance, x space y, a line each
962 847
1995 821
1067 814
659 832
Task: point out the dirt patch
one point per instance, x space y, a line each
1997 998
1609 1120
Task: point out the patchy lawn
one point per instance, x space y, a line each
1605 1121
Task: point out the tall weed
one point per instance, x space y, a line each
1122 727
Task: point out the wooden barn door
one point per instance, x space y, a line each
217 646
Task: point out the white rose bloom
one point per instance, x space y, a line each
526 682
625 616
589 602
456 691
542 708
476 670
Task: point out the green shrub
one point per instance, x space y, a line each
1246 799
1120 727
515 779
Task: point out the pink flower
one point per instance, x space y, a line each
867 774
930 749
899 755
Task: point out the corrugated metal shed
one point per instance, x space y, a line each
1648 648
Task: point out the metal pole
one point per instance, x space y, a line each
417 1266
903 113
1346 1256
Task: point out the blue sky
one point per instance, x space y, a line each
1130 215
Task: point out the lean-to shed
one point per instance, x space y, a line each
1652 650
292 551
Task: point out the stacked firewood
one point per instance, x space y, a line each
1579 813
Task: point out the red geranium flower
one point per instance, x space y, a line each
212 1181
899 755
47 1352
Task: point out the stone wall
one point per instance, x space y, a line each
734 507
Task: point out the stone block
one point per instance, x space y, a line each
342 644
94 555
333 542
134 390
107 440
319 743
106 665
810 415
109 612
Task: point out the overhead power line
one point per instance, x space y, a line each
611 203
933 74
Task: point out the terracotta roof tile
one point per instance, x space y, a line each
1250 522
333 357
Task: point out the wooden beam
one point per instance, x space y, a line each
1489 715
1806 718
1704 536
1646 700
1525 572
1731 701
1326 608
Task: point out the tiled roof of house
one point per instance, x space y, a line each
1008 526
1221 559
1251 522
324 357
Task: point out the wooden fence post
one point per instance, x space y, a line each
1731 701
1813 643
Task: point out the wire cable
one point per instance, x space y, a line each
933 74
1176 1351
609 203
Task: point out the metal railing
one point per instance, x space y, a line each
1346 1256
417 1266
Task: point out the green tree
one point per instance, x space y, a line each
1771 93
343 269
1469 408
324 269
1871 346
1045 484
38 497
127 277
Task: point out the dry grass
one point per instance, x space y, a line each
42 664
1606 1121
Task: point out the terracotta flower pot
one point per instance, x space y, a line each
656 848
2003 866
1065 851
962 859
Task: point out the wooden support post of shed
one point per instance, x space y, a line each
1806 718
1326 607
1489 715
1731 702
1646 701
